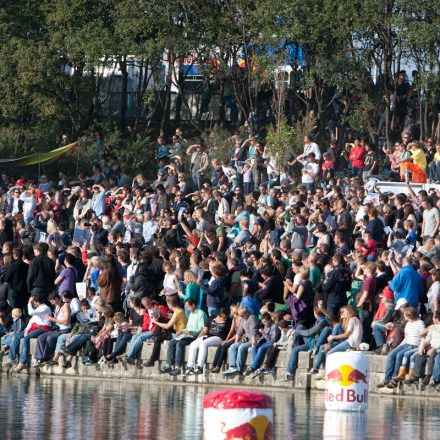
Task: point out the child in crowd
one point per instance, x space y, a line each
18 326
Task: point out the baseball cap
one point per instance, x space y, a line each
387 293
401 302
19 182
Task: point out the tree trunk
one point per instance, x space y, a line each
124 95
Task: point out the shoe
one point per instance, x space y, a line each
215 370
188 372
383 384
378 350
412 381
313 371
401 375
145 364
258 372
437 387
20 367
175 371
426 380
249 371
8 363
393 384
198 370
103 360
165 370
66 365
122 358
314 353
52 363
230 372
269 371
86 360
288 377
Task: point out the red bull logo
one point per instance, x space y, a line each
258 428
346 375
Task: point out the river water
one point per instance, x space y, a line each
57 408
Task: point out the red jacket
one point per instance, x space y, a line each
159 312
357 156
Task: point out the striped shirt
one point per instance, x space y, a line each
412 331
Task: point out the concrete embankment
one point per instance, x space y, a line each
302 380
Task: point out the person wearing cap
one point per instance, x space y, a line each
407 283
98 200
383 315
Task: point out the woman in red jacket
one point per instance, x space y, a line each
357 158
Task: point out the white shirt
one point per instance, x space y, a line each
29 204
149 228
222 210
312 148
433 294
39 315
412 331
313 168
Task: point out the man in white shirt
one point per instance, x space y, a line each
310 147
149 228
38 324
309 172
29 204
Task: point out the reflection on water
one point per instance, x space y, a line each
55 408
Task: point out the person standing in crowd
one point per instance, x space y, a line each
41 273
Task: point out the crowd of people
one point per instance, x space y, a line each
233 254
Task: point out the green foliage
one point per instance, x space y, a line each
280 139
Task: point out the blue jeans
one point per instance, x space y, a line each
409 357
61 342
25 344
197 179
394 360
6 340
258 353
15 345
77 342
176 351
342 346
136 343
237 354
379 331
337 330
436 370
356 172
308 186
292 364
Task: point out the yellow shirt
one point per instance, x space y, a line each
419 158
437 156
179 320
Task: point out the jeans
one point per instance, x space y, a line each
292 364
176 351
77 342
379 331
337 330
420 365
198 349
136 343
409 358
15 344
25 344
308 186
366 319
394 360
46 344
356 172
197 179
61 342
436 370
342 346
221 354
238 354
258 353
121 344
158 338
6 340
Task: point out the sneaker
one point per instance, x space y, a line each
165 370
86 361
412 381
198 370
52 363
268 371
288 377
66 365
231 371
175 371
314 353
188 372
437 387
122 358
249 371
426 380
103 360
313 371
20 367
383 384
146 364
392 384
258 372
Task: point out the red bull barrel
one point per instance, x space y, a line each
346 381
237 415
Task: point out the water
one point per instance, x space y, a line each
56 408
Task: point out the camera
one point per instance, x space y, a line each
87 225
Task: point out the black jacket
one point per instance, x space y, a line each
16 276
41 273
336 286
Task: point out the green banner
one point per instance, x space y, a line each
35 158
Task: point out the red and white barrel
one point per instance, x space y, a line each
237 415
346 381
